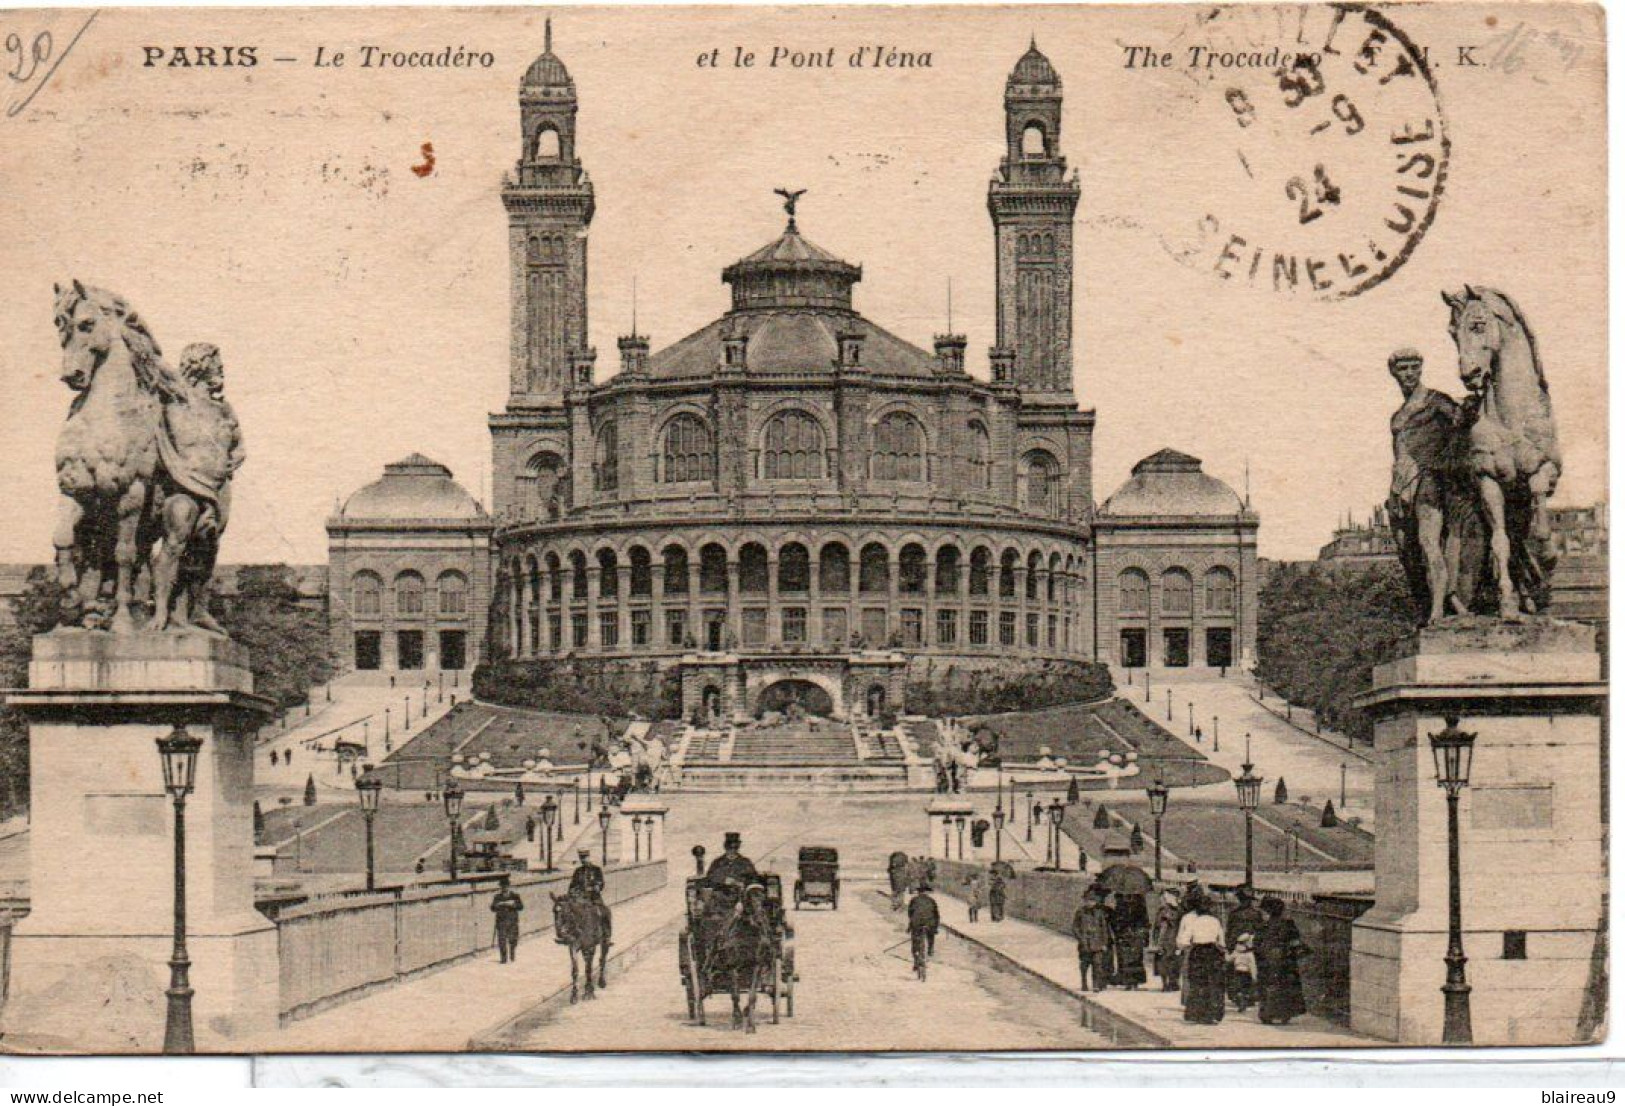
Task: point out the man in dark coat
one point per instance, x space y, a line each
1091 928
588 881
924 918
1245 918
506 905
995 895
731 867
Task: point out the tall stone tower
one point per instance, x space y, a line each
550 204
549 201
1032 202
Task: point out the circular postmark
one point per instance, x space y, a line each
1313 147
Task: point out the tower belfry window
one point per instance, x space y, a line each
547 145
1033 143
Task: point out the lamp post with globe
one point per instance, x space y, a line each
452 798
550 814
178 751
1453 765
1157 794
369 789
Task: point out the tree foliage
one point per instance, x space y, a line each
1013 685
288 645
582 686
34 611
1320 631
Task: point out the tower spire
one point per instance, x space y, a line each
547 35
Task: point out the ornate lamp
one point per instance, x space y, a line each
998 834
178 751
1248 788
452 797
1453 765
1157 795
603 829
369 789
1057 814
550 813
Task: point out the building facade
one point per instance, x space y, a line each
791 491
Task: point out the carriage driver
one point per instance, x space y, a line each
731 867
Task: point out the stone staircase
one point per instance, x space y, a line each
794 744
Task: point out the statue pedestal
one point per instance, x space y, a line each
90 961
1532 835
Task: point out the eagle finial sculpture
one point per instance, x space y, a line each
790 199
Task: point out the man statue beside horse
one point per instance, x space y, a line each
1471 480
144 463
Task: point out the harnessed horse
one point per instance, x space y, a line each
578 922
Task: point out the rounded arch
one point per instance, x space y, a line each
874 568
555 576
578 574
791 445
609 574
674 566
451 593
978 454
409 594
911 569
900 445
606 466
834 567
1219 590
546 145
640 578
1034 139
1008 560
795 567
1035 570
981 570
948 567
367 594
713 568
1133 592
1176 591
687 449
753 568
1054 575
542 471
1040 480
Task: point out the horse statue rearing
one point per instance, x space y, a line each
1512 443
145 454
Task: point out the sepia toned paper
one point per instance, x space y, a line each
919 442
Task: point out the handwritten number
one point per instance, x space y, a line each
1300 81
38 53
1313 201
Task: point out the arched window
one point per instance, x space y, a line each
1133 592
607 462
1052 580
555 578
686 452
911 570
453 590
542 474
1043 479
713 569
793 447
1033 143
409 594
834 568
1007 574
981 566
794 568
675 560
899 448
948 570
753 569
979 459
1176 591
547 144
367 592
578 575
874 573
1220 586
609 574
1035 569
642 581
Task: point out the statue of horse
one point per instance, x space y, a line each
107 453
579 922
1512 444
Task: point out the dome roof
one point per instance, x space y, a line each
793 340
412 488
547 71
1172 483
791 272
1033 69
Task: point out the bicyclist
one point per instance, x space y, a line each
923 920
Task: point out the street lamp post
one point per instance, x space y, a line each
603 831
1453 764
178 752
1343 786
1170 704
1157 793
1031 806
947 836
1215 733
452 797
1248 788
575 788
998 834
369 789
550 814
959 823
1057 812
637 839
1190 719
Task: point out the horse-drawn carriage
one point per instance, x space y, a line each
818 876
737 943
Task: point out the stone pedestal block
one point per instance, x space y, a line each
1532 834
90 961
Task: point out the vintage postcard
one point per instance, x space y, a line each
803 528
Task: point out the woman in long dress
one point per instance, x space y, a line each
1201 940
1130 927
1277 949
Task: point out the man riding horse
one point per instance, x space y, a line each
587 882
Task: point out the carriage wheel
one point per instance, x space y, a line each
775 989
692 983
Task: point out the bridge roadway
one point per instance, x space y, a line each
857 988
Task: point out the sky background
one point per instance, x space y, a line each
362 310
